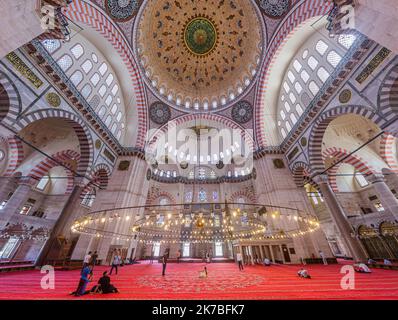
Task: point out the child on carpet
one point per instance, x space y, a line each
203 273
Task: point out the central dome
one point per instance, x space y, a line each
198 55
200 36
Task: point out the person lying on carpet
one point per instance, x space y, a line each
104 285
362 268
267 262
303 274
387 262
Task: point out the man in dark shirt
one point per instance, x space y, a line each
105 284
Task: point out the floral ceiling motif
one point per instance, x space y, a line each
242 112
159 113
122 10
199 55
275 8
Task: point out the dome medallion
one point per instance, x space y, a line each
199 56
122 10
200 36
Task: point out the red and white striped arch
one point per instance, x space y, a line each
388 151
153 197
15 155
63 157
99 178
307 10
356 161
82 11
245 194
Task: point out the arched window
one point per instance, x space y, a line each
87 66
86 91
76 78
77 51
89 198
65 62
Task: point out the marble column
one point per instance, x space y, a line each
282 255
271 251
126 188
17 200
386 197
339 218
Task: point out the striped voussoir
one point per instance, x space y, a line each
245 194
99 178
60 158
154 196
356 161
180 121
82 132
318 130
82 11
10 104
388 151
300 172
15 155
388 95
303 12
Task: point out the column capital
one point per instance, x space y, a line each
321 179
375 178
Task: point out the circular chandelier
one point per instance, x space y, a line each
199 223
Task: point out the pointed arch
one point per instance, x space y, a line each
321 124
82 132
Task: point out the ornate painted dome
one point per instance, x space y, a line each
199 55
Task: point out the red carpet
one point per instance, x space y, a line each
225 281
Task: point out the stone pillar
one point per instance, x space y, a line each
126 188
62 220
272 253
387 198
17 200
282 255
339 218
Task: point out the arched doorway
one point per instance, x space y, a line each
389 234
373 243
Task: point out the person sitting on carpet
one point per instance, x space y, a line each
104 285
267 262
362 268
371 261
304 274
